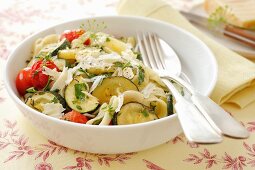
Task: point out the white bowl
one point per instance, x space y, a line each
197 62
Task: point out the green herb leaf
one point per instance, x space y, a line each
47 87
31 90
140 75
78 107
54 100
108 39
122 65
218 17
145 113
138 55
78 91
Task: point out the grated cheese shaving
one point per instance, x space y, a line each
53 109
97 80
51 72
60 82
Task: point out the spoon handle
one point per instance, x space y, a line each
194 125
218 117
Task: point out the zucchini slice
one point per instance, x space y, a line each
132 113
111 86
39 98
170 104
77 99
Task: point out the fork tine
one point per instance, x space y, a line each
159 50
154 50
149 52
142 50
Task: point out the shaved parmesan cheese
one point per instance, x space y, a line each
70 73
53 109
51 72
97 81
120 102
148 90
106 119
102 111
60 82
152 90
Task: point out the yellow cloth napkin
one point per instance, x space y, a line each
236 74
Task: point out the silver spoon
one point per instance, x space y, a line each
217 117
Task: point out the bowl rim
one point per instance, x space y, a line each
67 123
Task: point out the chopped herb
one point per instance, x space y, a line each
110 109
138 55
54 100
48 57
78 107
47 87
118 64
31 90
93 36
35 73
81 70
122 65
145 113
140 75
218 17
108 39
78 91
96 122
56 90
90 75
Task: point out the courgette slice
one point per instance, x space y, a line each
39 98
132 113
112 86
170 104
77 99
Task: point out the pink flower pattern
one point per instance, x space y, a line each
151 165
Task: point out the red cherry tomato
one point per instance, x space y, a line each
40 80
75 116
70 35
87 42
23 81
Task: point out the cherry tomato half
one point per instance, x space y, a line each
40 80
87 42
75 116
23 81
70 35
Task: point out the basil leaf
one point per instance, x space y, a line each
78 91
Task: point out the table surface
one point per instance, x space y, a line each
21 147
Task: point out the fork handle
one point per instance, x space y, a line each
194 125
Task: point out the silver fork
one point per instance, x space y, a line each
194 125
219 120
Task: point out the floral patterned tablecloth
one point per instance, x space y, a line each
21 147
